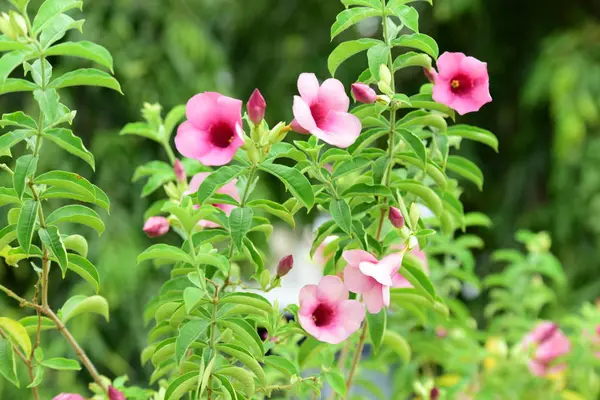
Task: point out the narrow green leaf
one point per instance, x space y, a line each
12 85
69 181
26 223
192 297
86 77
418 41
24 169
366 3
282 364
346 50
7 235
249 299
10 139
245 358
84 269
141 129
377 55
88 50
336 380
50 237
351 16
408 15
82 304
273 208
8 44
294 181
65 139
397 343
245 377
240 221
61 364
376 324
173 118
246 333
415 144
412 59
467 169
188 334
8 63
181 385
165 252
19 119
77 214
57 27
253 255
340 211
49 102
354 165
474 133
432 200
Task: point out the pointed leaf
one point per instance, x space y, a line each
84 269
415 144
216 180
17 334
77 214
474 133
50 9
8 63
24 169
71 143
240 221
82 304
294 181
377 55
12 85
188 334
376 324
86 77
50 237
165 252
61 364
8 367
26 223
88 50
346 50
418 41
351 16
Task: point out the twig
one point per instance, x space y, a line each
356 360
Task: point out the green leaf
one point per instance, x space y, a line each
26 223
50 237
340 211
412 59
88 50
336 380
246 333
8 44
173 118
49 103
8 196
364 189
141 129
272 208
181 385
8 63
242 376
475 219
415 144
253 255
19 119
474 133
294 181
61 364
17 334
65 139
282 364
57 27
77 214
50 9
153 168
188 334
216 180
165 252
39 375
408 15
240 221
84 269
24 169
249 299
377 55
432 200
12 85
245 358
8 367
367 3
397 343
376 324
467 169
41 72
213 258
72 182
7 235
417 278
155 182
31 323
192 297
346 50
82 304
347 167
10 139
86 77
418 41
351 16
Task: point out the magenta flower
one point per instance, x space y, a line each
114 394
371 278
363 93
229 189
156 226
68 396
548 343
179 171
323 111
461 83
213 130
399 281
256 107
326 313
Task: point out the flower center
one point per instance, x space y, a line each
460 84
221 135
323 315
319 113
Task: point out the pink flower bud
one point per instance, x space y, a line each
156 226
363 93
396 217
114 394
179 171
434 394
285 265
256 107
68 396
441 332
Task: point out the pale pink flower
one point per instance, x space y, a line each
547 343
363 93
68 396
256 107
366 275
213 130
230 189
461 82
156 226
399 281
114 394
326 313
323 111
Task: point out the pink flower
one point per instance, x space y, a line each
323 111
549 343
229 189
363 93
461 83
114 394
256 107
213 130
68 396
326 313
399 281
371 278
156 226
179 170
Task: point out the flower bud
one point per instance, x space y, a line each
285 266
6 27
18 23
363 93
396 217
434 394
256 107
114 394
179 171
156 226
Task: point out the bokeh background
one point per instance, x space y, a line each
544 63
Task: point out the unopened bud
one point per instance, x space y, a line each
434 394
156 226
363 93
179 170
18 23
6 26
396 218
256 107
265 279
114 394
285 266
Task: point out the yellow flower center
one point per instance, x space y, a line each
455 84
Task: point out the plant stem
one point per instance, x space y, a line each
356 359
213 328
170 153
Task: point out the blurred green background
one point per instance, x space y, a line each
544 64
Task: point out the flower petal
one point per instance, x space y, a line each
537 368
332 95
297 128
356 281
308 324
230 110
353 314
308 86
474 68
196 181
399 281
307 300
331 289
303 116
355 257
449 64
385 295
379 272
202 110
218 156
341 129
442 93
374 299
231 189
191 142
392 262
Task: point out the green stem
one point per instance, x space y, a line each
170 153
246 193
356 359
213 328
